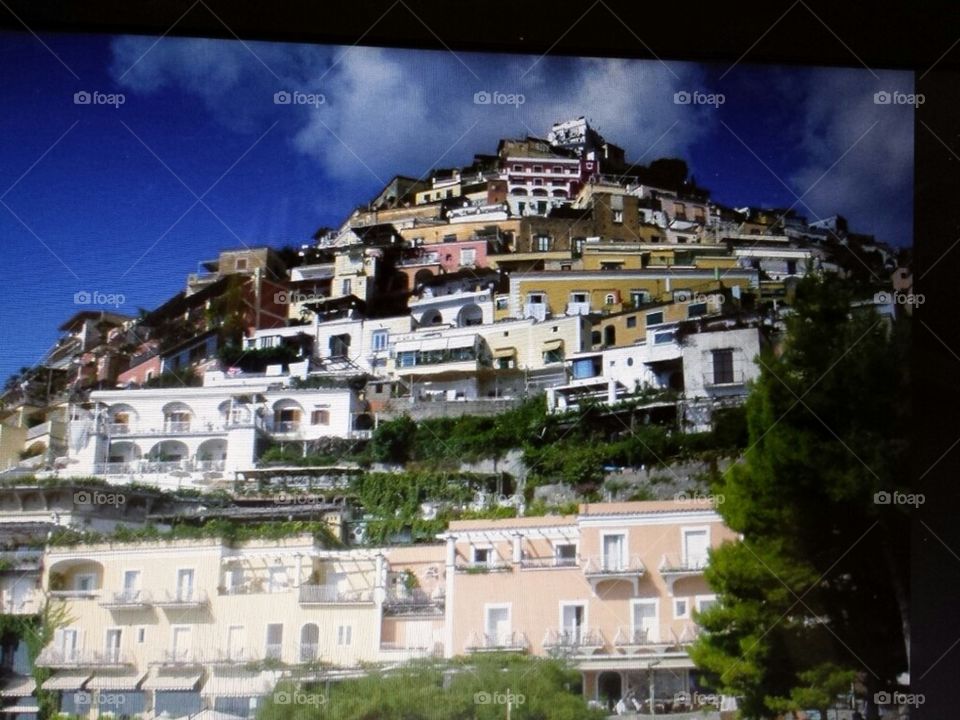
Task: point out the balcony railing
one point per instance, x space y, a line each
273 651
608 566
360 434
182 598
632 638
481 568
675 564
132 599
574 639
76 593
412 602
181 657
308 652
148 467
233 656
723 379
171 428
284 427
329 594
505 641
56 657
530 563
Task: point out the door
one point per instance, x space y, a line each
278 580
112 645
695 545
235 642
613 546
573 619
498 626
645 627
69 642
184 585
180 646
274 649
131 584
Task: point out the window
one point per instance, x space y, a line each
609 299
141 636
518 168
723 366
497 625
705 603
696 310
85 582
566 266
482 556
407 358
379 339
579 297
557 169
663 338
538 168
344 634
185 584
241 264
632 321
468 256
112 644
696 543
346 287
274 641
131 584
639 297
618 216
655 318
614 552
553 356
236 637
681 608
535 299
503 302
791 267
566 554
543 243
320 417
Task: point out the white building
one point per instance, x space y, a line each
193 435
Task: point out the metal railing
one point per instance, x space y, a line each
512 640
273 651
147 467
548 562
170 428
308 652
181 656
723 379
399 602
574 638
331 594
613 565
127 598
181 598
75 657
673 563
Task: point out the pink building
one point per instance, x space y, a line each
614 589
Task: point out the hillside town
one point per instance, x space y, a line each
187 488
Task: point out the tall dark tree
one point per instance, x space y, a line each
817 589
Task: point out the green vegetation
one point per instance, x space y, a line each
817 589
538 689
36 632
324 451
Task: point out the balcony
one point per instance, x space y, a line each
127 600
511 641
168 428
544 563
412 602
157 467
731 379
331 595
573 641
60 658
672 564
180 657
632 640
191 599
606 568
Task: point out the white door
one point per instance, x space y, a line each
20 594
613 552
572 617
235 642
185 585
498 626
695 548
180 649
645 626
131 584
278 579
69 641
113 645
418 635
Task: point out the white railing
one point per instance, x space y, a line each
613 565
127 598
308 652
182 597
75 657
511 640
181 656
634 637
573 638
548 562
673 563
332 594
146 467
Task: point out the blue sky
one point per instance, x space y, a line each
104 198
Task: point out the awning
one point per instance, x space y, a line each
20 709
160 680
505 352
116 682
433 344
240 684
462 341
66 681
553 344
21 686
